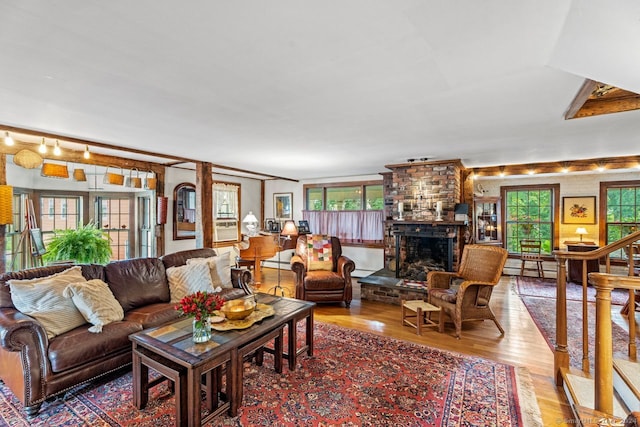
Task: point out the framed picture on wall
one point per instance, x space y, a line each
283 206
579 210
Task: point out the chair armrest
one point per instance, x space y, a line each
17 331
440 279
299 271
465 287
345 267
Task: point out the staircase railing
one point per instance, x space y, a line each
604 283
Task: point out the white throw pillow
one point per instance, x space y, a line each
96 302
188 279
220 267
43 299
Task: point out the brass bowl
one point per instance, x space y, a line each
238 309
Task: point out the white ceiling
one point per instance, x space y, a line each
309 89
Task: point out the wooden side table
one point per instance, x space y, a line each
574 269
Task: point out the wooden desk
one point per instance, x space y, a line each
574 269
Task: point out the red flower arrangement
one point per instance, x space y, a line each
200 305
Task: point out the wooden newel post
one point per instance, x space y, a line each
603 375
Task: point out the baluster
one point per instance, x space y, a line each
585 319
561 355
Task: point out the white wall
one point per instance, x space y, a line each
249 201
367 260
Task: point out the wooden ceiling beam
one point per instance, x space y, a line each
595 107
77 156
627 162
587 88
177 159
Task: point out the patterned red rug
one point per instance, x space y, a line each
536 287
354 378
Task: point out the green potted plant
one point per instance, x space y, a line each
85 245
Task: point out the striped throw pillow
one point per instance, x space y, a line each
43 299
96 302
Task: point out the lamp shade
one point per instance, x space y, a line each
581 231
250 218
6 204
289 228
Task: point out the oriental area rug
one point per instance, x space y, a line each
539 296
354 378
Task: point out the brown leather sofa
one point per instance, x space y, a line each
36 368
323 285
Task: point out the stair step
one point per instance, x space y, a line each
581 391
626 382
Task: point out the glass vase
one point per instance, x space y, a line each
201 331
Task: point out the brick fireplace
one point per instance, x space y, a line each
415 242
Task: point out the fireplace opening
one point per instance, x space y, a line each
419 255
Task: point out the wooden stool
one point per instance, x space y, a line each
421 309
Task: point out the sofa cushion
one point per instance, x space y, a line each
42 298
188 279
219 267
319 252
153 314
79 347
96 302
137 282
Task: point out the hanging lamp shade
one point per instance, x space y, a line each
150 182
6 204
54 170
79 174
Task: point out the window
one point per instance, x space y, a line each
365 196
622 210
531 212
351 211
115 219
62 212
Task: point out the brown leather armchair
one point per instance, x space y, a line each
323 285
465 295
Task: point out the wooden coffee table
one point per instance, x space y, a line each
170 350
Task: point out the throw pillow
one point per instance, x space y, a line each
188 279
319 256
220 268
43 299
96 303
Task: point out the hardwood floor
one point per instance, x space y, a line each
522 344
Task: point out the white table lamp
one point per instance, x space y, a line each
251 222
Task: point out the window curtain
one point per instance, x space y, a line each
355 226
225 201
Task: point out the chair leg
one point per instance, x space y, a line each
521 268
498 325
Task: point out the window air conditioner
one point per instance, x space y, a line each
225 230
